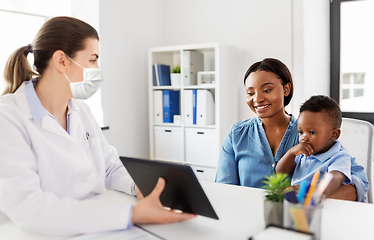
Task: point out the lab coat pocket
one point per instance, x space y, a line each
92 142
96 156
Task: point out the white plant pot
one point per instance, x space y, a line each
273 213
175 79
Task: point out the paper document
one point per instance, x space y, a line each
271 233
134 233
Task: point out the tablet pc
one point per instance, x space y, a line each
182 189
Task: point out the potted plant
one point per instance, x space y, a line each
175 76
275 186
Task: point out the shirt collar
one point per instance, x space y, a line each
36 108
326 155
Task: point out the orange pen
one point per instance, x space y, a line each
312 187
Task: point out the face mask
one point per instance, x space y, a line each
92 78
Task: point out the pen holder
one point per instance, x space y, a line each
302 218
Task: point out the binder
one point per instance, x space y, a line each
155 82
193 62
188 107
194 100
163 75
170 105
157 107
205 108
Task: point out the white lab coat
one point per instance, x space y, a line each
48 178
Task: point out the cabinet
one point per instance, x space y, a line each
210 71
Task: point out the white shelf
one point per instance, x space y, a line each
166 88
202 86
184 125
200 126
167 124
219 60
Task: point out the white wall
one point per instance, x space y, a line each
311 50
258 28
286 29
128 29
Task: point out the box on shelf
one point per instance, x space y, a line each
206 77
193 62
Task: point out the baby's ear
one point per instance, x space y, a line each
335 134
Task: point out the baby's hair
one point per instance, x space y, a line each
324 104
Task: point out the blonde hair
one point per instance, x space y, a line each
60 33
17 69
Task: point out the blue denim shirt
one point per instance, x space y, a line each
246 157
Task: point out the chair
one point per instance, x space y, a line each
357 138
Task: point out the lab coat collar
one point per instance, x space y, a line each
21 100
29 103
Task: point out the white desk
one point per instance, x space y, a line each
240 210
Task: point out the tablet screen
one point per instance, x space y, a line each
182 189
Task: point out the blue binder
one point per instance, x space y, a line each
171 105
163 74
194 99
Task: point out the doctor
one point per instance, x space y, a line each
53 156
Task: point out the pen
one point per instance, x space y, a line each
312 187
325 181
302 190
88 138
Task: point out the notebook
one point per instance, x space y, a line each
182 189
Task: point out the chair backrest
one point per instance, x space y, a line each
357 138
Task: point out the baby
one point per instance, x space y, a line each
319 128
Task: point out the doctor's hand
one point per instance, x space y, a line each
138 193
150 209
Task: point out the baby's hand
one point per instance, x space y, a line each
292 187
302 148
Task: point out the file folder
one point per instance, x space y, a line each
205 108
194 100
188 109
170 105
157 107
164 74
156 81
193 62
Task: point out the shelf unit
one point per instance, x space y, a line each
195 145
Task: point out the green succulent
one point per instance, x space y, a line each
176 69
275 185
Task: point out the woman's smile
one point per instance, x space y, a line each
262 108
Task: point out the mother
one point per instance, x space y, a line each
252 148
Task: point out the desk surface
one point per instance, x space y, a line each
240 210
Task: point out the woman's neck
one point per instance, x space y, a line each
54 93
275 127
279 120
